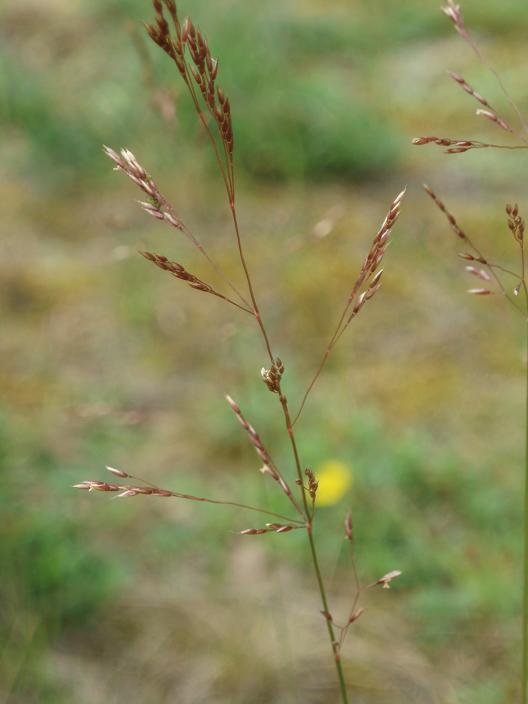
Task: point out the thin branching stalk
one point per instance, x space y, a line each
525 550
128 490
188 49
478 256
453 11
365 287
313 550
491 273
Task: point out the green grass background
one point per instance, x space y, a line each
106 361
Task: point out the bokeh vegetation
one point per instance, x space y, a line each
107 361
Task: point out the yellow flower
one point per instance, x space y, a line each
334 478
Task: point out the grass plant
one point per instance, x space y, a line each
187 48
493 277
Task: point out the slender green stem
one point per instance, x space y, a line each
331 634
289 425
220 502
237 505
341 325
524 696
313 551
505 270
256 310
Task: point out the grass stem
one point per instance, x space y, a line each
313 552
524 696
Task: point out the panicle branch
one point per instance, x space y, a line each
157 206
160 208
470 90
355 610
477 256
454 12
181 273
459 146
126 490
254 437
451 220
269 466
190 52
368 282
365 287
492 116
130 490
269 528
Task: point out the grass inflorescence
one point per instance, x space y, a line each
493 277
188 49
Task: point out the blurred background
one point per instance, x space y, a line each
416 423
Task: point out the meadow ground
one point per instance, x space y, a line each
104 360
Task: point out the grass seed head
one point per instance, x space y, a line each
516 223
387 578
479 273
272 376
313 484
480 291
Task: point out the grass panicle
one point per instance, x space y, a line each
188 49
510 282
